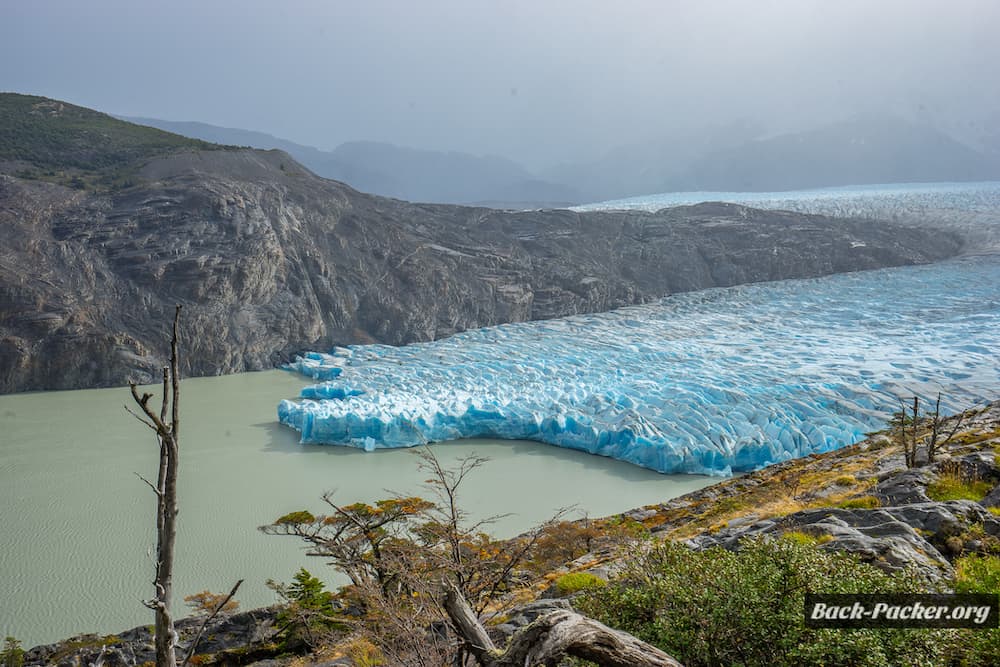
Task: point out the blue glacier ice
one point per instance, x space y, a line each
710 382
707 382
886 201
972 209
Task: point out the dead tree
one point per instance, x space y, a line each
911 429
934 438
550 638
167 432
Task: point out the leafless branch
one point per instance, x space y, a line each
149 484
201 629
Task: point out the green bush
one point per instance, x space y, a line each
716 607
953 487
12 654
862 502
574 582
978 574
806 539
310 614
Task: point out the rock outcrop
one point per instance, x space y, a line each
270 260
230 639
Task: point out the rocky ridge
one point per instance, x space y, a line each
270 260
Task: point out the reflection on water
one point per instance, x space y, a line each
77 522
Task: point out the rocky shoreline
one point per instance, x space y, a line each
860 499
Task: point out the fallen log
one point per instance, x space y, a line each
550 638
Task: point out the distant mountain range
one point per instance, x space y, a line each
862 150
106 225
404 173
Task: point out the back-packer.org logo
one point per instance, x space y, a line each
903 610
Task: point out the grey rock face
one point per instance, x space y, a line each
919 535
251 633
270 260
905 487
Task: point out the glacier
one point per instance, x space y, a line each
712 382
971 209
882 201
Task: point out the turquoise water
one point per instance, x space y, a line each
77 522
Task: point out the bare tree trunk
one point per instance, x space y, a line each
166 500
550 638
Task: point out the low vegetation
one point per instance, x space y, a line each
401 554
718 607
576 582
12 655
70 145
952 484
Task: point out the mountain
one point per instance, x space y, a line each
404 173
642 168
269 259
863 150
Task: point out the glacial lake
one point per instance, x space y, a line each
77 522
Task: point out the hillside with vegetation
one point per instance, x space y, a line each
62 143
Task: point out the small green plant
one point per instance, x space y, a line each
574 582
807 539
951 484
861 502
310 614
977 574
12 654
363 653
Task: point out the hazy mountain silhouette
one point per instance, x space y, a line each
862 150
394 171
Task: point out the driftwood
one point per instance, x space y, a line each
550 638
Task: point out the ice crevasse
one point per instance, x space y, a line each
708 382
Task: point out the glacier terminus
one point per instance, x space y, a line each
711 382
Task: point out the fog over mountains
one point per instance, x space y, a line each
862 150
526 103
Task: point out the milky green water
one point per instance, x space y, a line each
76 522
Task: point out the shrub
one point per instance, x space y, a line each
860 503
574 582
363 653
717 607
560 542
310 615
952 485
12 654
807 539
206 602
978 574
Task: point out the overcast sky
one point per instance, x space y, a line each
534 80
